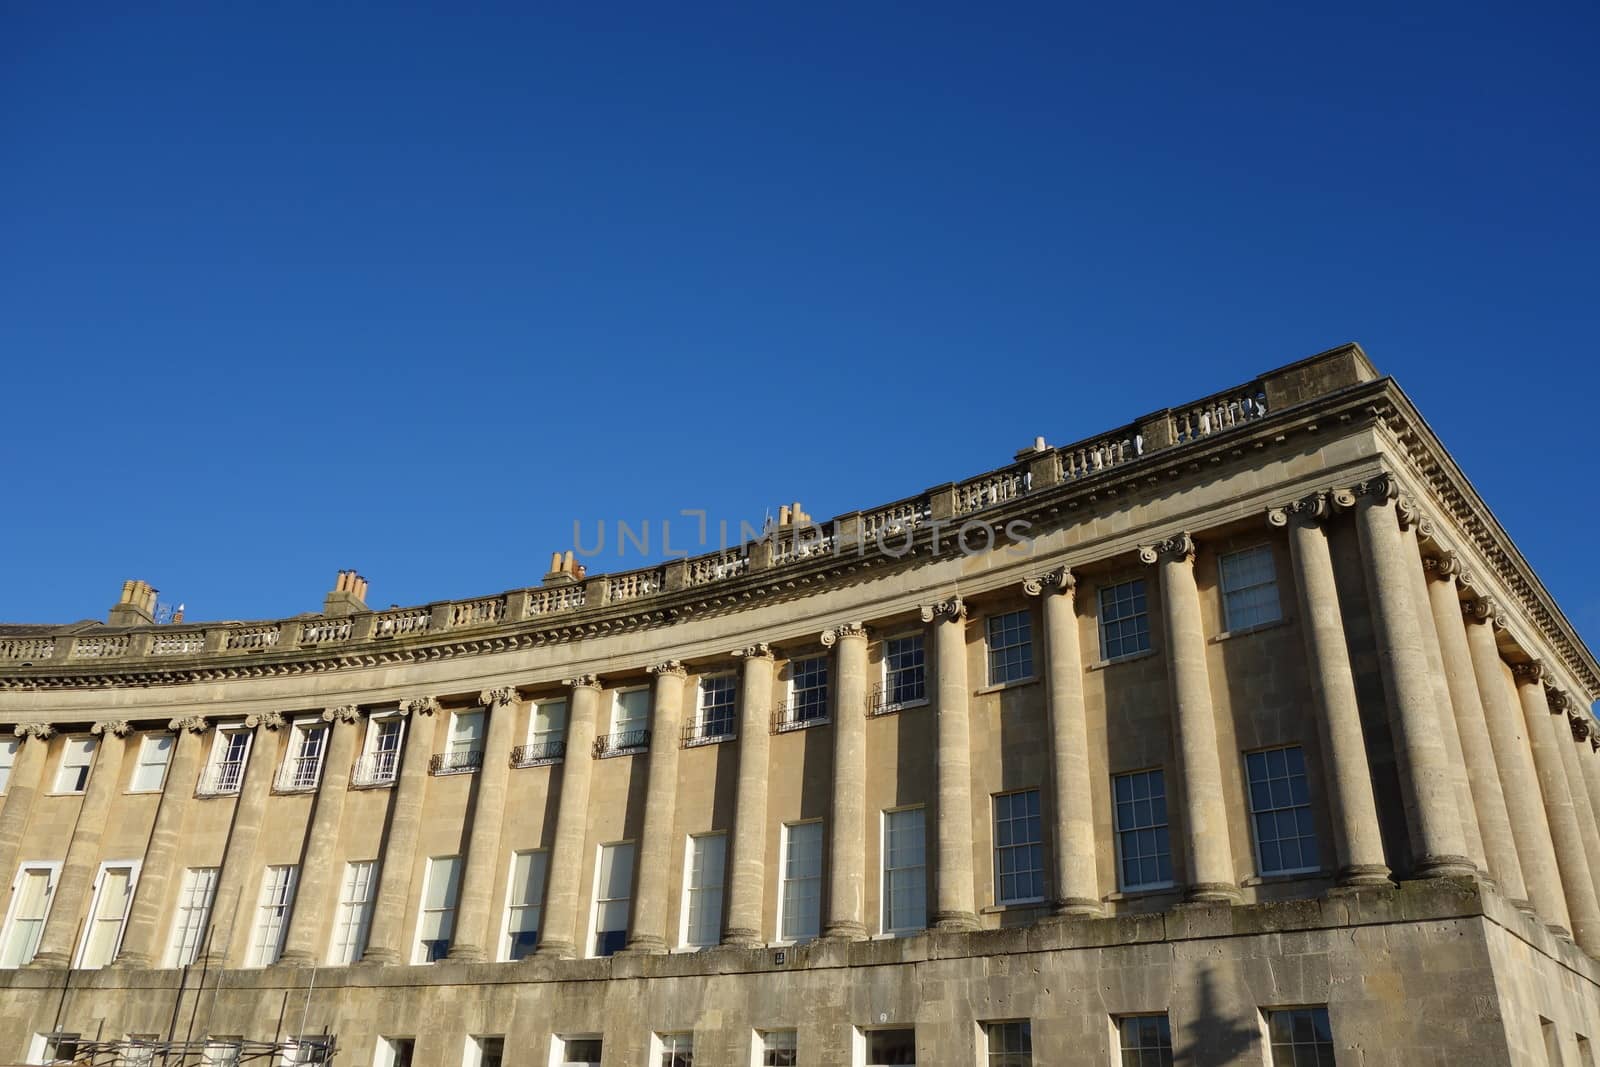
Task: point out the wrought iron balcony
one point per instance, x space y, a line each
621 743
890 697
801 712
379 768
708 732
539 753
299 774
464 762
221 779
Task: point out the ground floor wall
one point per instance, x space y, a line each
1427 974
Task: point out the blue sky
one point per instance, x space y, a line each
290 288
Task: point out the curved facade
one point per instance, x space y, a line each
1237 734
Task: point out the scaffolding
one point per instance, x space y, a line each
143 1052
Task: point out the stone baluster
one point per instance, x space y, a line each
1357 839
1211 872
649 928
319 883
1437 842
386 941
749 861
139 947
1571 859
559 937
27 772
1444 706
238 858
1076 885
1519 782
1570 728
954 893
60 934
1477 750
471 940
847 830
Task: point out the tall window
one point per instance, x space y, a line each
577 1051
891 1048
1249 589
1301 1037
1018 848
355 912
1124 620
225 770
437 922
630 719
808 689
303 766
612 896
194 909
272 914
485 1051
1009 1044
548 733
905 872
524 904
380 751
1145 1041
1144 851
108 909
802 882
30 904
155 752
8 759
77 756
905 679
1280 811
396 1051
463 746
715 714
677 1050
1010 647
703 906
779 1048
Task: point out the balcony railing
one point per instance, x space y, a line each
890 698
800 713
299 774
379 768
709 731
621 743
221 779
539 753
466 761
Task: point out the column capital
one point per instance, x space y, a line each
41 731
1483 609
118 727
1532 671
854 630
583 681
759 650
671 667
1582 729
494 698
194 724
341 713
419 706
954 610
1060 580
1179 547
1445 565
1558 699
1314 509
272 720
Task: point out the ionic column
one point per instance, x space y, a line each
1519 782
139 947
1569 728
1588 752
238 858
1571 860
1211 873
1477 751
749 862
83 850
26 772
1444 707
954 896
1076 882
649 929
386 939
559 937
471 939
847 829
1357 840
1438 844
318 882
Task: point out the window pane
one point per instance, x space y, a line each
1010 647
1018 852
802 882
1143 848
891 1048
1280 809
905 877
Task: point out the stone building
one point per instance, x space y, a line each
1240 734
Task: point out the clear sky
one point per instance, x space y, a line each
290 288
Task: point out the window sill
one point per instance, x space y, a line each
613 753
215 796
1014 905
698 742
800 724
1142 892
373 785
999 686
546 762
77 793
891 709
1100 665
1243 631
1310 874
141 792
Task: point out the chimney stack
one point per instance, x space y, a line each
349 595
564 570
1038 446
137 607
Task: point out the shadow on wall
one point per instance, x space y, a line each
1216 1037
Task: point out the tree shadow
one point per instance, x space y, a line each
1217 1037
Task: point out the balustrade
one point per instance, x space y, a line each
191 643
480 612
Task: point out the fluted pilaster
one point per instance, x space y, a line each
386 939
649 929
559 937
749 862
